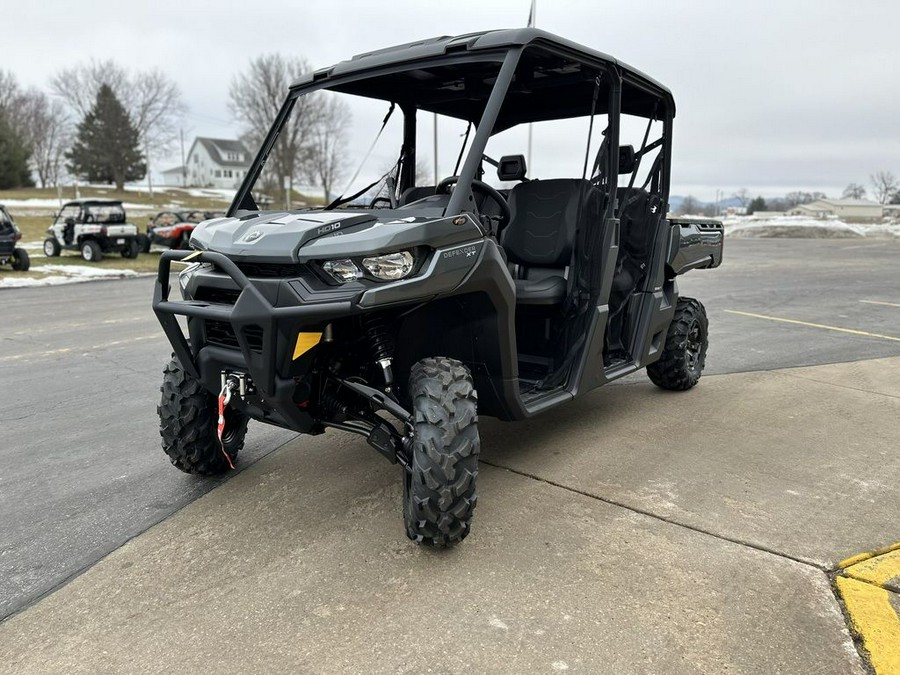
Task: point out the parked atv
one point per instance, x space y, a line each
402 312
92 227
9 235
173 230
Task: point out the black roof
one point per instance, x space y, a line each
216 146
97 202
426 74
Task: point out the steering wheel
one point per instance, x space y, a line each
378 200
479 186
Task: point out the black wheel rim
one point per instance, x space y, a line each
694 346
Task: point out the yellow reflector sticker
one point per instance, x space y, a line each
305 342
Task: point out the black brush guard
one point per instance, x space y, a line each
274 330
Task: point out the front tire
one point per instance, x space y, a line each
188 420
439 492
684 355
21 261
51 248
91 251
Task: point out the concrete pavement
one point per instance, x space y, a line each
641 531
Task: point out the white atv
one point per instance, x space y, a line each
93 227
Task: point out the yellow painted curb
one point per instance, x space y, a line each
852 560
881 570
873 618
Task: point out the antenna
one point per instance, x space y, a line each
532 23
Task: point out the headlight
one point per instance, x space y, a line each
391 266
342 270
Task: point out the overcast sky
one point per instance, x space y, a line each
771 96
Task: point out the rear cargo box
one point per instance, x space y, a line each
695 243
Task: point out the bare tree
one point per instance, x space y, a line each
41 122
328 152
13 103
743 197
50 135
153 101
255 97
884 185
854 191
689 206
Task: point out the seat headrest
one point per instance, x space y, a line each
511 167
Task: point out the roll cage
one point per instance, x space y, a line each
495 81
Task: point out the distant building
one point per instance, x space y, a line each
215 162
768 214
175 177
854 209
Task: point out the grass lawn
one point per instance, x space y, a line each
164 198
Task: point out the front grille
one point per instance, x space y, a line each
272 270
220 333
222 296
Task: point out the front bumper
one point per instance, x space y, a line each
264 337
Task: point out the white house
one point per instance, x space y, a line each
862 209
214 162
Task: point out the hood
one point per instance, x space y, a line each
276 236
285 237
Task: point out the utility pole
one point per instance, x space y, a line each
149 178
183 165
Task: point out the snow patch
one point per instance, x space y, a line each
65 274
810 228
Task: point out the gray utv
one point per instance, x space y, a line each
383 312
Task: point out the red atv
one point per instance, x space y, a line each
172 229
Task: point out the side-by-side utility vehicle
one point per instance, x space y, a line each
383 312
10 234
92 227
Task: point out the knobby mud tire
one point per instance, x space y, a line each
684 355
439 492
188 421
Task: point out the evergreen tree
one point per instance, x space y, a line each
14 156
757 204
107 146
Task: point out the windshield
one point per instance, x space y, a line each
105 213
343 146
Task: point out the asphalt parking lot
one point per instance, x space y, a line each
633 531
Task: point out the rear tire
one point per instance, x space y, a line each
143 243
51 248
131 249
91 251
21 262
684 355
439 492
188 420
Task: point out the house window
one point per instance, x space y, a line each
218 173
196 159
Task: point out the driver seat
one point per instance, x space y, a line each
540 236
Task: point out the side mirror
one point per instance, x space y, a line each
626 159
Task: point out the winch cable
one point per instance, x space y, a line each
340 200
224 400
